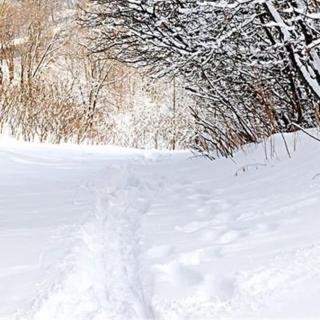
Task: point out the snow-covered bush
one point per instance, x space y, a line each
51 89
253 65
47 115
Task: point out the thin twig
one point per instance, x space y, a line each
305 131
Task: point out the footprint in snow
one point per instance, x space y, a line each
222 204
204 212
186 276
267 227
159 251
180 275
221 288
222 218
230 236
198 256
248 216
193 226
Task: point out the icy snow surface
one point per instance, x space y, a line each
99 233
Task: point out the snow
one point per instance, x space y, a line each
306 70
109 233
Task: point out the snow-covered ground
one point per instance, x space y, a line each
93 233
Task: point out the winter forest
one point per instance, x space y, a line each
208 75
159 159
95 99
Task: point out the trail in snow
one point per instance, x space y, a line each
100 233
103 277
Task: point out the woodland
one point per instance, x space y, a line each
210 76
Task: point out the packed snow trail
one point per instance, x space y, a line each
96 233
105 281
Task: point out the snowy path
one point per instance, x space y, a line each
105 279
102 233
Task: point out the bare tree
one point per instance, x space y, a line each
253 66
